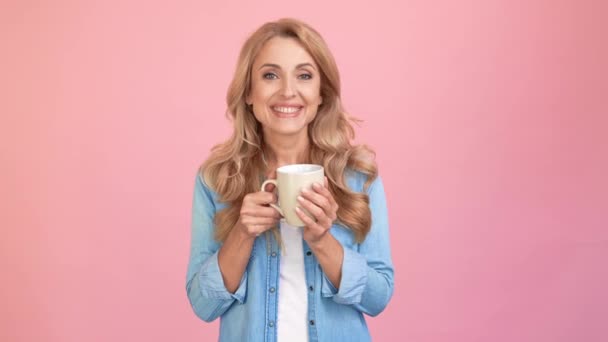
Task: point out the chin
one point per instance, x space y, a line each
283 129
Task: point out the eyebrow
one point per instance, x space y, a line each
301 65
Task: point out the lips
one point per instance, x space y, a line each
286 111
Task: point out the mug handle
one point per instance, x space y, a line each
272 181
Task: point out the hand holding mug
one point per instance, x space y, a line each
291 181
255 216
321 204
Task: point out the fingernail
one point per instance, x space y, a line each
305 190
300 198
316 185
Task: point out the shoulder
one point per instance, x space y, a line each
202 188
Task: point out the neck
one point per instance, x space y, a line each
285 150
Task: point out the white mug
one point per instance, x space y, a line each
291 179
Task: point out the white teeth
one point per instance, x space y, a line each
287 109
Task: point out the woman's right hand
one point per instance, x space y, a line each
256 216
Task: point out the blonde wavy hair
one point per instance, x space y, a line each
236 166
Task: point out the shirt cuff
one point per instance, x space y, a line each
212 284
353 281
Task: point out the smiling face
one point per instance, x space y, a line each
285 87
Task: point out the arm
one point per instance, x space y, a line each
205 287
367 275
233 258
329 253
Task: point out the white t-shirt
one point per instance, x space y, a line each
293 296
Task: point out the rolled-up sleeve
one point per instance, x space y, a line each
367 274
205 287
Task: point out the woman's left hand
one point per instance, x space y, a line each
320 203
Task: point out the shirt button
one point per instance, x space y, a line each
272 289
274 254
309 253
271 324
312 322
311 288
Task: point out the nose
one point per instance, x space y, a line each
288 87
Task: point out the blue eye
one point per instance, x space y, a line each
306 76
269 76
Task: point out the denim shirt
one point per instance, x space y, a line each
250 314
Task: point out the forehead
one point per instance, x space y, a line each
284 51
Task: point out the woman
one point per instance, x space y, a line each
268 281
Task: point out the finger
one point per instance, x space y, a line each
264 221
324 199
324 190
263 197
260 227
274 214
270 187
308 222
315 211
318 199
267 212
259 211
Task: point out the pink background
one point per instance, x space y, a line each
488 117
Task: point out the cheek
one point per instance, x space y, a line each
257 96
312 96
260 113
260 92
